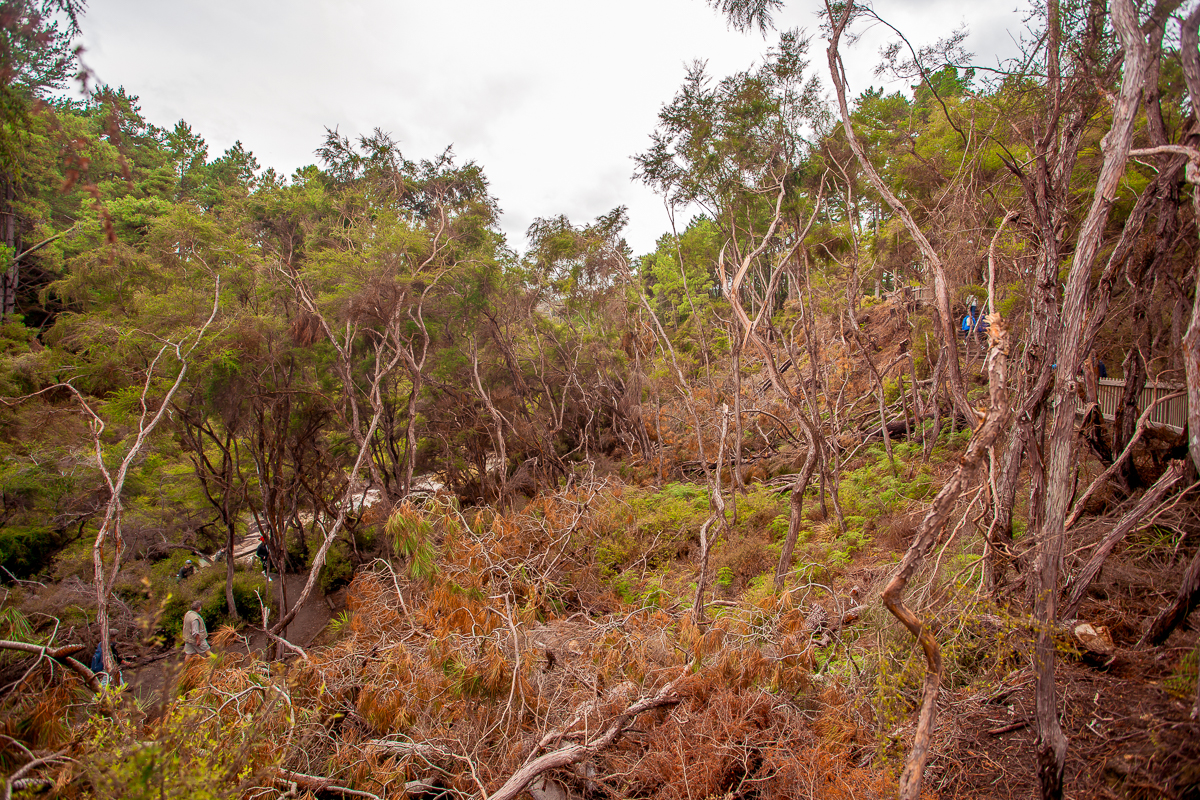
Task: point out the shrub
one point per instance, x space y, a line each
337 570
189 753
411 533
24 550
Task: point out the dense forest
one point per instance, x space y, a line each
877 477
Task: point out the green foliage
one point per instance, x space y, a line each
24 550
677 508
779 527
14 626
1154 541
337 569
340 622
613 551
760 588
652 524
1181 682
681 278
654 594
208 586
192 752
949 442
874 490
412 537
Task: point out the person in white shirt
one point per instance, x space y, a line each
195 635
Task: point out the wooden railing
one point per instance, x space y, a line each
914 294
1171 414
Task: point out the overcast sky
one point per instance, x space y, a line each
551 97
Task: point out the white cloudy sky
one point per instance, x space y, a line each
552 97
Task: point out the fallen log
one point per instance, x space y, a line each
317 783
897 427
61 655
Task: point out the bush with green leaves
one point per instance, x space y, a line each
650 524
337 570
191 752
26 549
208 586
412 536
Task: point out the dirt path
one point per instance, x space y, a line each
152 679
310 620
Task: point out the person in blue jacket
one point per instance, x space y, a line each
97 665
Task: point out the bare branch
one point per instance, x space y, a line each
926 537
62 655
1075 588
575 753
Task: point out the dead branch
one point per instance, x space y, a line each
425 752
941 290
316 783
1116 465
277 639
1186 600
62 655
575 753
717 510
18 780
1168 149
1075 588
924 541
1015 726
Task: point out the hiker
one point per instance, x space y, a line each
195 635
264 556
186 570
98 660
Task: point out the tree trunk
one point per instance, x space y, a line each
933 261
1190 56
1061 447
923 542
795 514
11 275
